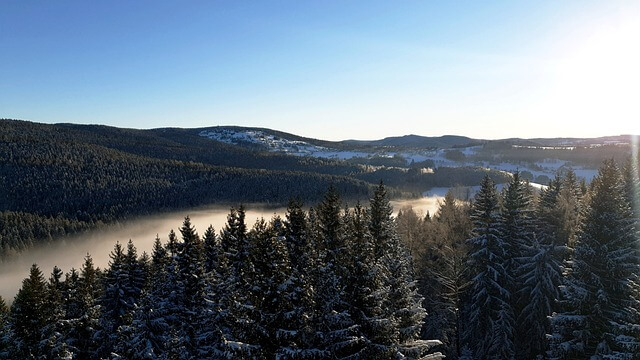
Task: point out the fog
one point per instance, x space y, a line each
69 252
421 206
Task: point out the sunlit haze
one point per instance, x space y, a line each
330 69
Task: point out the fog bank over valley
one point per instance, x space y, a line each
70 252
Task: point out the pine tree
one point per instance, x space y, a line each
548 215
8 349
237 317
118 300
81 309
172 244
147 336
490 327
517 232
53 344
367 292
212 250
337 334
539 277
403 304
137 273
443 279
597 297
516 223
298 240
29 313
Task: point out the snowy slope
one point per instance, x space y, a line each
274 143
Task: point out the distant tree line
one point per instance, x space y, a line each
519 275
329 283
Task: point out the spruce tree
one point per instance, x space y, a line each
490 327
442 273
337 334
403 303
53 344
367 292
81 321
8 349
539 277
517 232
236 317
30 313
123 284
599 309
212 250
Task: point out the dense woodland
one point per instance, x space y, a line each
324 284
64 178
511 275
519 275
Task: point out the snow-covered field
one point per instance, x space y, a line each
545 167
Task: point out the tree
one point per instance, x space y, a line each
53 345
337 334
237 316
119 298
539 277
403 302
7 341
367 292
517 233
441 265
599 309
211 251
30 313
490 327
81 321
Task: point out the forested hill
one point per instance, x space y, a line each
57 179
63 178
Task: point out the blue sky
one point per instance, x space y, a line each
327 69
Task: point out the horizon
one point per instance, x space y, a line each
336 70
323 139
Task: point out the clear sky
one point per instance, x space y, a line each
327 69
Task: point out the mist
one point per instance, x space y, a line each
69 252
421 206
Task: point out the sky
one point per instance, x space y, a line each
327 69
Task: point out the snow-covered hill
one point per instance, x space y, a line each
272 142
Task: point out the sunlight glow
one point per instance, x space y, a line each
599 78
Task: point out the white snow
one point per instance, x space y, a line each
546 167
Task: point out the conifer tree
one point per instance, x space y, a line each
337 335
490 327
599 309
137 273
367 292
443 276
517 232
539 277
123 284
159 257
53 344
237 318
29 313
81 310
404 304
7 339
147 336
212 250
297 235
516 223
